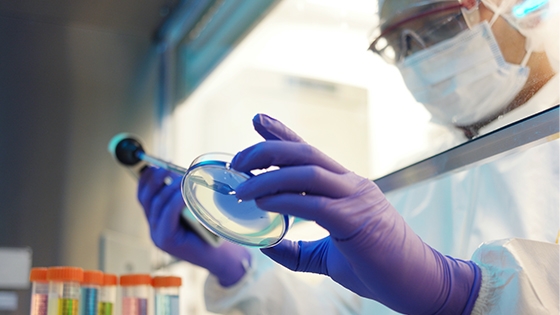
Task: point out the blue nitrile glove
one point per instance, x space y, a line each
163 205
371 250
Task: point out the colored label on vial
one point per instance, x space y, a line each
134 306
105 308
68 307
167 304
39 304
89 301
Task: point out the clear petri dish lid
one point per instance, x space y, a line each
208 189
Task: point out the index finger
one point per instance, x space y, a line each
283 153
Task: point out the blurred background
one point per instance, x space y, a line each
186 77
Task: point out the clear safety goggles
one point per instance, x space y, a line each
420 27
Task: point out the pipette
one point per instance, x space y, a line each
207 188
128 151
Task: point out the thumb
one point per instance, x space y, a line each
272 129
301 255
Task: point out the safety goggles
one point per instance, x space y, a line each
418 28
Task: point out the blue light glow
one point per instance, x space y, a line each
527 7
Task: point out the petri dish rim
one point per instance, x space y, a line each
283 221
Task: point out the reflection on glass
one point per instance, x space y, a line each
475 69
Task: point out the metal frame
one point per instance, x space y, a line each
533 130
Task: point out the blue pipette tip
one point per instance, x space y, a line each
124 147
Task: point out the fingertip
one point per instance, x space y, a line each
151 183
240 192
285 253
257 118
281 246
235 161
242 161
260 118
143 182
146 173
261 123
171 212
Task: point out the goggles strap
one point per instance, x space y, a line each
497 14
526 57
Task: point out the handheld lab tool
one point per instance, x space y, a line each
128 151
208 189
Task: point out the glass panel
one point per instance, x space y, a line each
326 41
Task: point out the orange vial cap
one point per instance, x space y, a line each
94 277
65 274
135 279
109 279
38 274
166 281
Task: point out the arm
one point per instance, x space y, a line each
240 279
370 250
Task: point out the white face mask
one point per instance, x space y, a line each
465 79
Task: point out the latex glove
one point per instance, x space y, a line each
163 205
370 250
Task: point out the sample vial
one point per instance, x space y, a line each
39 291
166 292
107 294
90 292
135 292
64 290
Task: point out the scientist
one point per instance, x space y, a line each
371 250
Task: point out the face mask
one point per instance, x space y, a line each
465 79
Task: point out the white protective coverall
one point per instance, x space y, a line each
512 199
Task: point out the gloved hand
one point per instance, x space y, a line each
371 250
163 205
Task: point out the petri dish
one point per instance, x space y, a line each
208 189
